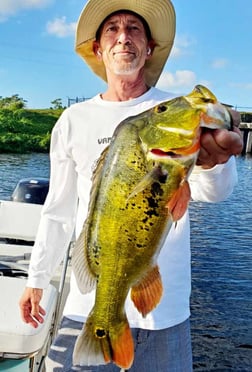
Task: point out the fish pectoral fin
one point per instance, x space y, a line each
147 293
97 345
146 181
178 203
85 279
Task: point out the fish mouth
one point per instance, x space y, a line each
165 154
176 153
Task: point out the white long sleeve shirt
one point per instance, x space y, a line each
78 138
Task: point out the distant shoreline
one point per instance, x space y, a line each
26 130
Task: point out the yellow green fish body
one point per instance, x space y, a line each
139 189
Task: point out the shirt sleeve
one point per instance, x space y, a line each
215 184
58 213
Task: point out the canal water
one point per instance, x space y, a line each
221 237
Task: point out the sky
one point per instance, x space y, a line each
213 47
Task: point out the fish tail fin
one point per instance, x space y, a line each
122 344
97 345
87 349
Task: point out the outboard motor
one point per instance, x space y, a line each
31 190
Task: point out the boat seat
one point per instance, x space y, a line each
19 220
17 339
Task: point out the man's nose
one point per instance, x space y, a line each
123 37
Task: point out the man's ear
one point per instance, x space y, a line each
96 49
150 48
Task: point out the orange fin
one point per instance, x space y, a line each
98 345
147 294
178 204
122 345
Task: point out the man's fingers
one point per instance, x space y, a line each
230 142
236 117
37 311
31 312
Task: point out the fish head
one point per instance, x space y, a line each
214 115
174 127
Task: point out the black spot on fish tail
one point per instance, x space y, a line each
100 333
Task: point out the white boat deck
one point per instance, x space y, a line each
19 223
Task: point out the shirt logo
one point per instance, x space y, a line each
106 140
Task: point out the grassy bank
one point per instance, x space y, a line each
25 130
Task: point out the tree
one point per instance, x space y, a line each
57 104
13 103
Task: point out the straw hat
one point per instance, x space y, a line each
160 16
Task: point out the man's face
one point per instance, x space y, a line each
123 44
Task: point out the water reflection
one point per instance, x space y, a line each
222 279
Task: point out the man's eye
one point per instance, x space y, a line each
111 29
133 28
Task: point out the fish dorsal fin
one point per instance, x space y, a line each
99 164
86 280
147 293
97 176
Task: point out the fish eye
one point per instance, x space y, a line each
208 100
161 108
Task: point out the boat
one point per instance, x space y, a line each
23 348
31 190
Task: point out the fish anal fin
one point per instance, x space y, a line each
147 293
178 203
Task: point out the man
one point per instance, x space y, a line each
125 42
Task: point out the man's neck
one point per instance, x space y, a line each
124 89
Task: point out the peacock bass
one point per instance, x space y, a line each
140 187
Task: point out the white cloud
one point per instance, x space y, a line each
182 45
219 63
60 27
12 7
181 81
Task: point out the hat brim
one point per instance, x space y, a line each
160 17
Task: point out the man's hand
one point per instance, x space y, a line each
31 312
218 145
